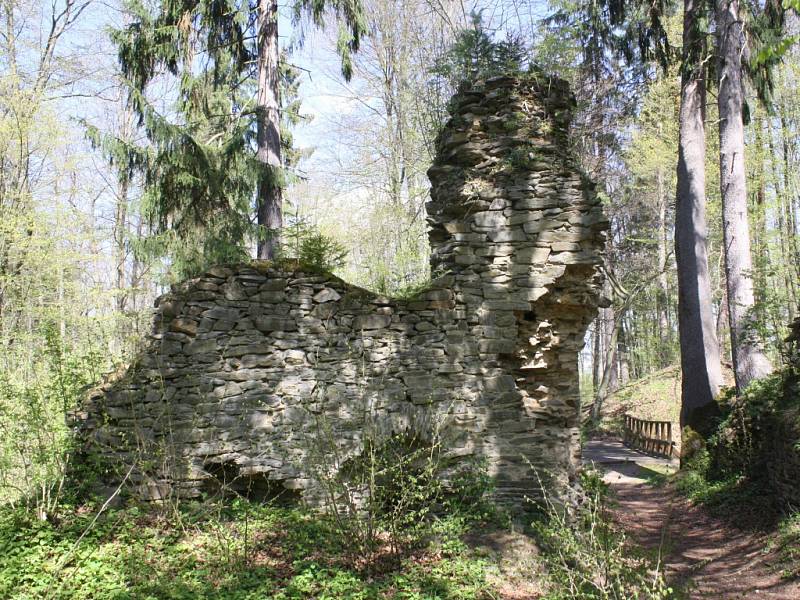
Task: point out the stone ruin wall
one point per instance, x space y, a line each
248 365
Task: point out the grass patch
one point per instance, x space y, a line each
655 397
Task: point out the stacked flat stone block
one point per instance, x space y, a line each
252 369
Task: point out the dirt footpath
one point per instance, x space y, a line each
701 553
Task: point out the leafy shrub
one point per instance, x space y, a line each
399 478
390 495
468 494
35 442
588 558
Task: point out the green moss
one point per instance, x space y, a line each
413 291
692 444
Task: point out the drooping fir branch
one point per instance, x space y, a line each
634 31
767 43
221 156
173 39
349 14
772 43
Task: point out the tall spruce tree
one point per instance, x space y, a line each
224 152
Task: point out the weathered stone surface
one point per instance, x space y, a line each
187 326
268 324
372 322
247 364
327 295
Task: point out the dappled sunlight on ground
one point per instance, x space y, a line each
702 554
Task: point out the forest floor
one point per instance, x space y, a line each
702 553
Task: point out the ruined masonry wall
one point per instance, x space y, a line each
250 369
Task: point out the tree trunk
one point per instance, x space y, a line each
700 366
136 273
664 326
120 237
603 390
610 319
758 205
597 354
749 360
268 134
791 220
623 356
781 210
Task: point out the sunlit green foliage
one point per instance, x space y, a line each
236 550
35 440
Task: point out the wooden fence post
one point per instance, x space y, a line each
654 437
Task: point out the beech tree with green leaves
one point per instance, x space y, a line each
612 28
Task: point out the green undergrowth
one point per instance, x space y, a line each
748 469
747 472
237 549
733 497
587 556
746 503
787 545
233 550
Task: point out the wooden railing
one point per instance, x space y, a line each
654 437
